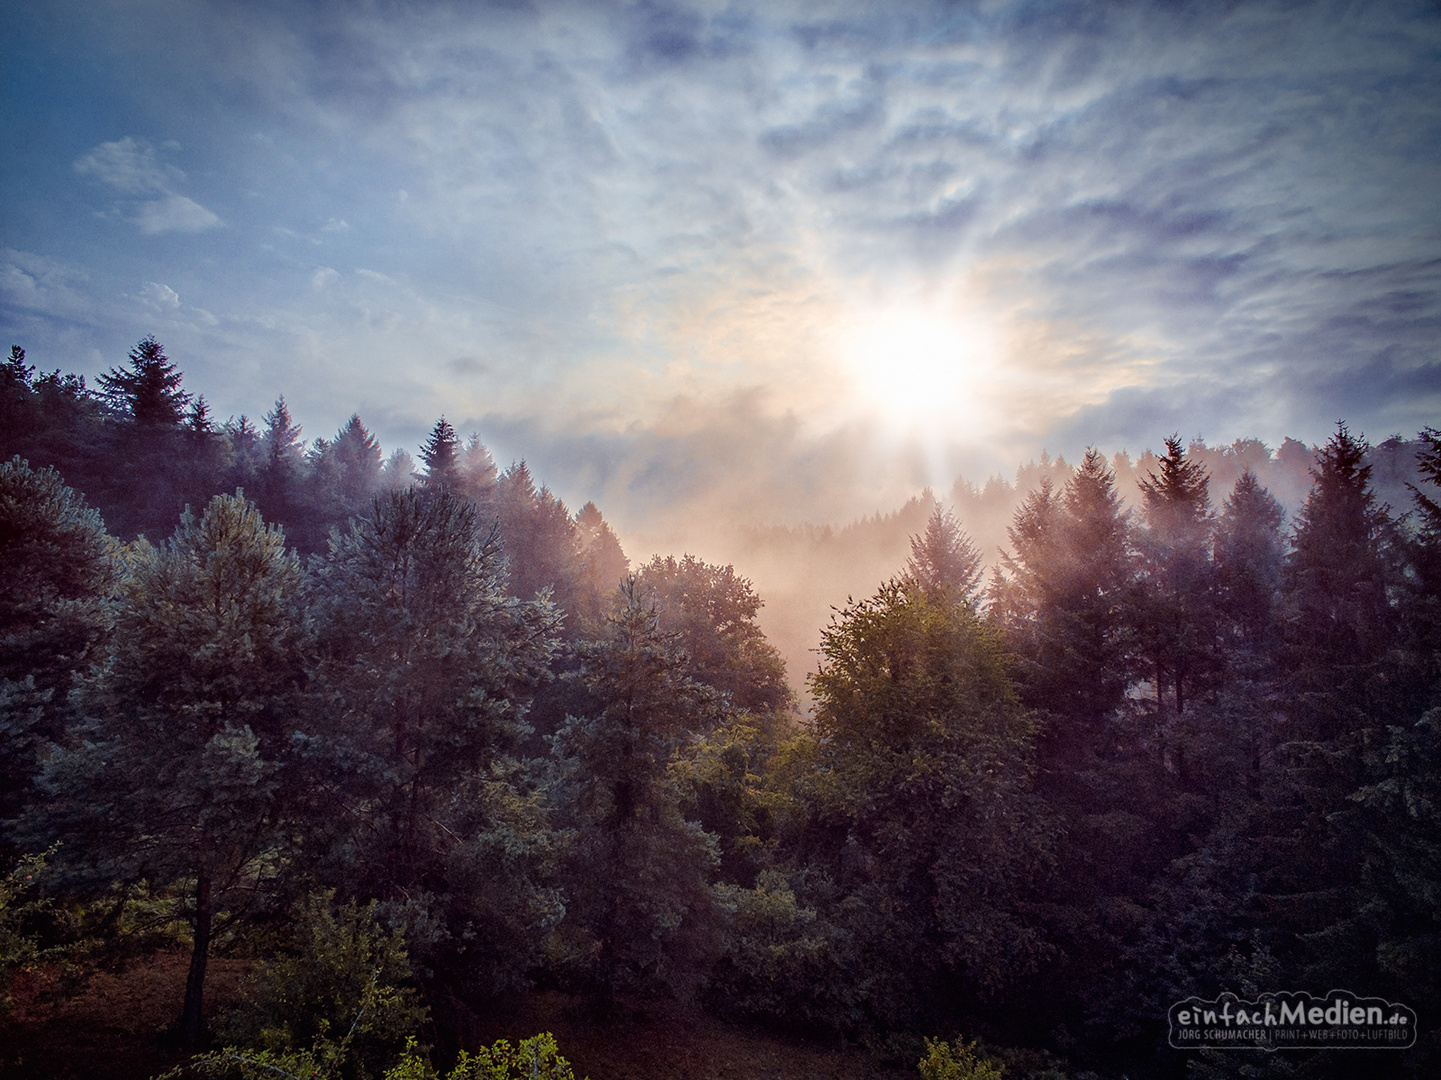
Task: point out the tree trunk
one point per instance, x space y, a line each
191 1021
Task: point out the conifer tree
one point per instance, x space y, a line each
602 562
1340 621
281 441
943 560
356 455
1249 553
148 392
477 473
1177 618
1064 595
440 454
175 776
538 535
429 666
57 565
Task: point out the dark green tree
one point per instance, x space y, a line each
357 456
640 910
174 777
441 455
427 667
148 391
538 536
57 565
1064 596
430 662
1340 622
602 563
1249 557
1177 616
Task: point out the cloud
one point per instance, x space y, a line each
1215 218
45 287
174 213
131 167
158 296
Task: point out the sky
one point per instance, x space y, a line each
762 263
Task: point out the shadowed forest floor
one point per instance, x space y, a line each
116 1026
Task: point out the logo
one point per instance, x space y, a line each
1284 1021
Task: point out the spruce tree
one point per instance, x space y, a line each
943 560
1340 621
1176 611
57 566
148 392
440 454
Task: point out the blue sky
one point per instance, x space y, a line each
770 262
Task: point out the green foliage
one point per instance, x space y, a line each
536 1058
16 946
148 391
176 777
712 610
56 562
944 1061
426 664
344 972
640 910
912 810
1063 601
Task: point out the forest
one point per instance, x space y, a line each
405 742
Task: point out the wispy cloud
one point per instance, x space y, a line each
133 168
1137 218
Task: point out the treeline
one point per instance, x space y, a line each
1162 752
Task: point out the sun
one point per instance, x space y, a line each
919 365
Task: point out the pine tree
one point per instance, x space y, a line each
476 473
440 454
602 562
173 780
429 669
429 663
57 565
1340 621
281 441
1177 617
15 376
1249 555
1064 596
943 560
538 535
149 390
357 457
